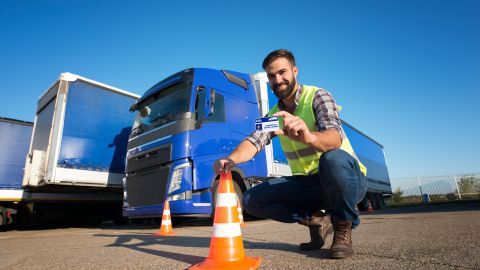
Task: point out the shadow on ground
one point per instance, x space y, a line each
147 243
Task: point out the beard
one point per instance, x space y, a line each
287 92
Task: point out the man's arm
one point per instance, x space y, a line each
244 152
326 140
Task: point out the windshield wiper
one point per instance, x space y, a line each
139 129
163 119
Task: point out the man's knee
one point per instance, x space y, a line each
335 160
248 202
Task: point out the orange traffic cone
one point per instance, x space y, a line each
166 226
226 245
370 208
240 214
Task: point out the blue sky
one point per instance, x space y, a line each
407 73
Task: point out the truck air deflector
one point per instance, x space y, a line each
185 76
236 80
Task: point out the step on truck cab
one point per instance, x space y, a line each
186 122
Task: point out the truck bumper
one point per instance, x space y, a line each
177 208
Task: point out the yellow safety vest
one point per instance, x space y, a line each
304 159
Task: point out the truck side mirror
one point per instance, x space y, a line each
209 102
204 110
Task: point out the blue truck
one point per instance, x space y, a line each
73 159
190 119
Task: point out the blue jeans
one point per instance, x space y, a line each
337 187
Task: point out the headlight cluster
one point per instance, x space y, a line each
177 176
176 180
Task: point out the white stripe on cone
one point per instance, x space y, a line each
166 222
226 200
226 230
166 212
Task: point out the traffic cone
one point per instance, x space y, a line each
240 214
370 208
166 225
226 245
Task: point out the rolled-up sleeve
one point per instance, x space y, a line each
260 139
326 112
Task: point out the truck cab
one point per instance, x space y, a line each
184 123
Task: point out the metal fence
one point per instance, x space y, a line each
436 188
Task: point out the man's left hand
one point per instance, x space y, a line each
295 128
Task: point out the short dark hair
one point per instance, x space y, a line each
280 53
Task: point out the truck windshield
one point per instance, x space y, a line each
162 108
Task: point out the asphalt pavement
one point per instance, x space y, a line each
445 236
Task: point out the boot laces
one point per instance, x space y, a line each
342 234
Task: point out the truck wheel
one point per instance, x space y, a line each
3 220
379 201
363 204
237 188
375 199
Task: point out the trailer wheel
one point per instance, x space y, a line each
379 201
2 218
363 204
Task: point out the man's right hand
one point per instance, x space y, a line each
223 165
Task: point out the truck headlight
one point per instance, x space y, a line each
177 175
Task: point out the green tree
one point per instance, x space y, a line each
397 195
468 184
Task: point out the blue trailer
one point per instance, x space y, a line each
75 162
194 117
15 140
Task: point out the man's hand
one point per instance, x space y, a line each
223 165
294 128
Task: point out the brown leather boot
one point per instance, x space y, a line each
342 240
319 227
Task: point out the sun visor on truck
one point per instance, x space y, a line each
184 76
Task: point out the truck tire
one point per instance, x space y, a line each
380 202
3 219
363 204
376 200
237 188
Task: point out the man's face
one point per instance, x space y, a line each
282 77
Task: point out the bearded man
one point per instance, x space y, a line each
327 178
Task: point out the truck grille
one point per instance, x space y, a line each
147 187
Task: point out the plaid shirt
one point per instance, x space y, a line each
326 117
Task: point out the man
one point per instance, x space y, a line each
326 173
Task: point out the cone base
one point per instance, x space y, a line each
249 263
164 234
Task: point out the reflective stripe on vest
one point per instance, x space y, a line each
304 159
